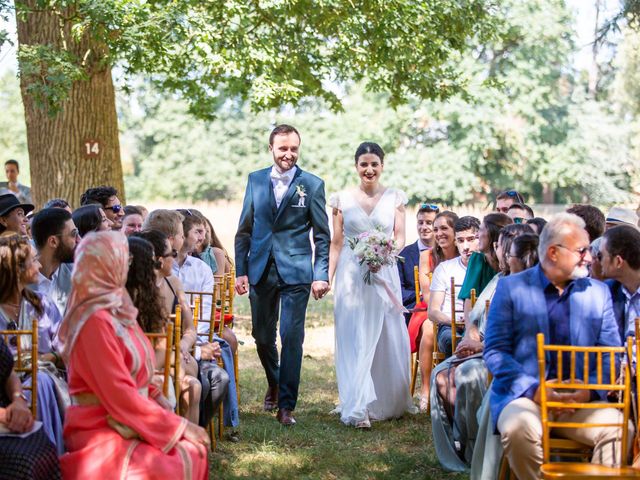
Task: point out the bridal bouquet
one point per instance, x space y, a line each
374 249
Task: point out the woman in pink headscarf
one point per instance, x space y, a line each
115 428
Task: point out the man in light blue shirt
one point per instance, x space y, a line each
620 259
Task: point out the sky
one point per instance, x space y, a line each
584 25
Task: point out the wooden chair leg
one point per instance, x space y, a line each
220 421
414 372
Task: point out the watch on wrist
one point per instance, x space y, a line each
21 395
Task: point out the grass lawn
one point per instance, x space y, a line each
319 446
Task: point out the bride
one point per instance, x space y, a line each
372 343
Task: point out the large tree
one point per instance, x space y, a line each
264 52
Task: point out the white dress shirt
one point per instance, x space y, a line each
280 182
196 276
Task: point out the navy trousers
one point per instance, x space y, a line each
268 298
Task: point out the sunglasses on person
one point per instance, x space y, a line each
580 251
430 206
114 208
173 253
73 233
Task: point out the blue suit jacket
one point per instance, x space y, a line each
265 230
411 255
518 313
619 300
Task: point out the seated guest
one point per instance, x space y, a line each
520 212
211 250
90 218
558 299
55 237
107 197
12 185
595 269
620 216
619 258
58 203
523 253
537 224
115 427
132 220
169 223
143 211
420 328
483 264
460 382
593 218
30 458
142 286
144 293
411 254
507 198
466 234
19 305
13 214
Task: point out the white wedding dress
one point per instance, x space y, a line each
372 344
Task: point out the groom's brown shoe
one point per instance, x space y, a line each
271 399
285 417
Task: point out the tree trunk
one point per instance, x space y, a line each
79 147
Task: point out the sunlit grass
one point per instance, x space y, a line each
319 446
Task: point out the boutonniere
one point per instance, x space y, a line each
301 195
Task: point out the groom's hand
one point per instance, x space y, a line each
319 289
242 285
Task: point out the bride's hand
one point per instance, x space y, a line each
375 268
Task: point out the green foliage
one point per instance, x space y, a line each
527 125
266 52
48 74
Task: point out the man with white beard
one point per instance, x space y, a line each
555 298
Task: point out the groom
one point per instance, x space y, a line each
273 262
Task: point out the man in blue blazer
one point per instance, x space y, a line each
557 299
411 254
282 204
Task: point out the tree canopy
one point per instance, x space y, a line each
265 52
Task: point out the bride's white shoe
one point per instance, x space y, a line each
365 423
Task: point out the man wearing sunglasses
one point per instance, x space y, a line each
619 257
555 298
55 237
507 198
411 254
107 197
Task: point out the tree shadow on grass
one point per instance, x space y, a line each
320 446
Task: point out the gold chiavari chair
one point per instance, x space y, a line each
457 323
26 357
196 299
167 336
415 356
580 470
177 319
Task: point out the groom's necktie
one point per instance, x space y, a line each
280 183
